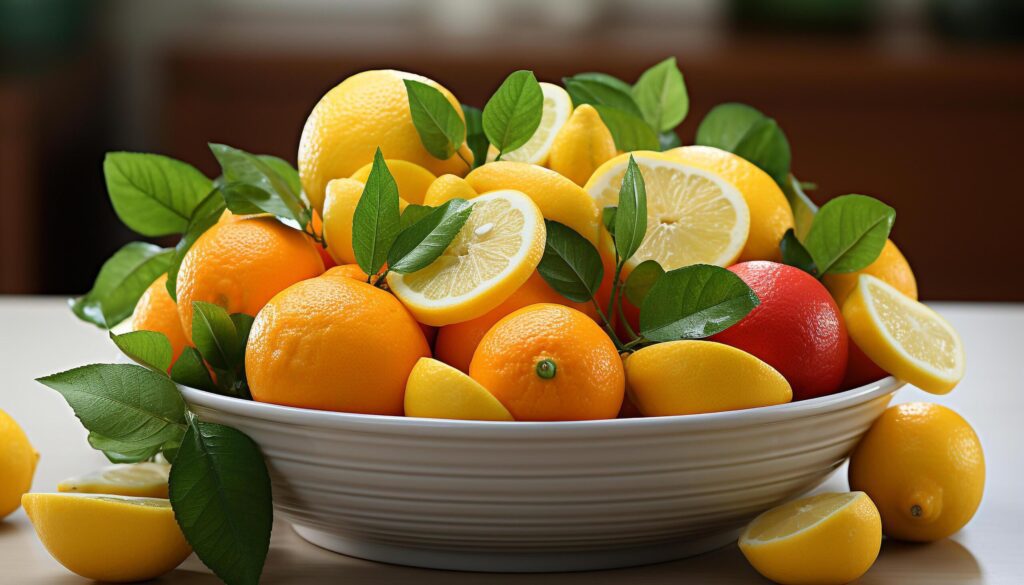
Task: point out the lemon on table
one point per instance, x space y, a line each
108 538
583 144
147 480
412 179
694 216
557 107
437 390
923 465
903 336
692 377
891 266
497 249
448 187
17 464
826 539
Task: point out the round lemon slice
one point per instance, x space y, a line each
437 390
903 336
694 216
497 249
135 479
557 108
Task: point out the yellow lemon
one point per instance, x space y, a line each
558 198
557 107
17 464
147 480
826 539
108 538
891 266
412 179
446 188
924 467
366 111
437 390
694 216
770 213
339 208
497 249
583 144
692 377
903 336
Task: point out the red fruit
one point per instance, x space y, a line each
860 370
797 328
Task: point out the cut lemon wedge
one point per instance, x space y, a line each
136 479
557 108
694 216
437 390
497 249
903 336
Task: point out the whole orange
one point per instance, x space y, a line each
241 264
354 271
333 344
157 311
550 362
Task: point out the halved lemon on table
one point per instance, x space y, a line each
694 216
127 479
437 390
557 109
493 254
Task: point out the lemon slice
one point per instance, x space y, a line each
136 479
108 538
694 216
903 336
493 255
557 108
437 390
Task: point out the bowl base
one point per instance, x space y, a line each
515 562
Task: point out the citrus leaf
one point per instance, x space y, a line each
424 241
441 129
122 280
604 78
152 194
118 452
802 206
413 213
189 370
476 139
640 281
252 185
795 254
513 113
661 95
205 215
146 348
849 233
570 265
630 132
376 221
600 92
694 302
746 132
631 213
608 219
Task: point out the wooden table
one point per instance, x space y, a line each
39 336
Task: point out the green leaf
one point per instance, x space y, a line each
441 129
745 131
640 281
513 113
694 302
661 95
118 452
123 402
604 78
476 139
802 206
204 217
848 233
413 213
120 283
424 241
631 214
152 194
599 92
147 348
608 219
629 132
214 335
251 185
220 492
189 370
376 221
570 265
795 254
285 170
243 325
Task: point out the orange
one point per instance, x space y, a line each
354 271
890 266
334 343
457 342
550 362
241 264
157 311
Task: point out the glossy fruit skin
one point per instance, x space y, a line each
412 179
334 343
17 464
925 456
583 144
157 311
890 266
437 390
797 328
588 381
446 188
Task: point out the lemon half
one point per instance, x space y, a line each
135 479
437 390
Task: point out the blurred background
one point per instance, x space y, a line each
917 102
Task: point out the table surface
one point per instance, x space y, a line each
39 336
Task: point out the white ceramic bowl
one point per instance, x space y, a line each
560 496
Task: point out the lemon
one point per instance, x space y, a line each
770 213
437 390
826 539
692 377
136 479
339 209
558 198
497 249
694 216
923 465
17 464
366 111
891 266
412 179
557 107
108 538
583 144
446 188
903 336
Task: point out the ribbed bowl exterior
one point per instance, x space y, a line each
471 495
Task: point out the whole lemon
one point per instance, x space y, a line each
17 464
890 266
923 466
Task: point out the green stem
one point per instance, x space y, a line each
380 282
634 343
607 324
625 321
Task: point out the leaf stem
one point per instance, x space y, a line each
607 324
616 300
378 279
634 343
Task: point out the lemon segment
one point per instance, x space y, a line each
904 337
108 538
694 216
497 249
17 464
827 539
437 390
147 480
557 108
412 179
